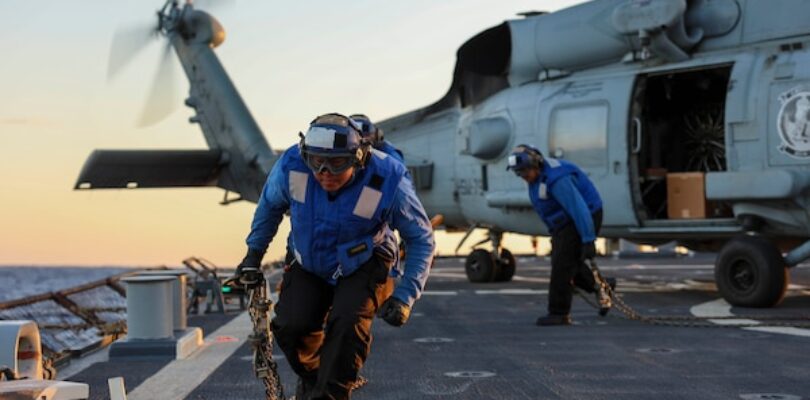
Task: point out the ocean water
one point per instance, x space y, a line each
19 282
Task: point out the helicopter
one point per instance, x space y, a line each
691 117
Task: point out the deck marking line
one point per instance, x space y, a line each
655 267
719 308
512 291
435 274
180 377
440 293
518 278
785 330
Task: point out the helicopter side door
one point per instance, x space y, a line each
585 121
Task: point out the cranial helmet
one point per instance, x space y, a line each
332 139
523 157
369 131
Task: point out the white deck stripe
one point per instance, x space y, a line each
655 267
522 267
518 278
512 291
448 275
719 308
117 389
180 377
785 330
439 293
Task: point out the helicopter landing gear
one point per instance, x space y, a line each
496 266
480 266
750 272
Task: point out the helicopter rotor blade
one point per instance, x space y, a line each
126 44
162 98
212 5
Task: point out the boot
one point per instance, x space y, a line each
554 319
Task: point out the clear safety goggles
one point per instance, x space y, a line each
333 164
522 172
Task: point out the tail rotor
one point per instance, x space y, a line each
127 43
130 41
162 99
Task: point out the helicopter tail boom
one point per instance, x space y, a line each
238 157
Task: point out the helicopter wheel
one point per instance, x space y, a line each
750 272
481 266
507 266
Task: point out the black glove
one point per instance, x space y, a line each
588 251
394 312
247 273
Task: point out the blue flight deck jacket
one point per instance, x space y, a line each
332 235
562 194
388 148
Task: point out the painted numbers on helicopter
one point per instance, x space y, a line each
468 187
793 122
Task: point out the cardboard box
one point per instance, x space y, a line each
686 195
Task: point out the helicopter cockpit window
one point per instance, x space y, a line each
579 134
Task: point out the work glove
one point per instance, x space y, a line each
394 312
588 251
247 273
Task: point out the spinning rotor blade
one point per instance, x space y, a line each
211 5
126 44
162 98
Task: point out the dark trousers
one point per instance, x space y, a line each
324 330
567 267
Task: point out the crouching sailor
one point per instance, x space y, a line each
344 200
568 203
376 137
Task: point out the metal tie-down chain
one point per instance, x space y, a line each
261 339
685 320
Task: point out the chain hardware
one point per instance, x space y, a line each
261 339
745 321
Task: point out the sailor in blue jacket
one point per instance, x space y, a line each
571 208
344 199
376 136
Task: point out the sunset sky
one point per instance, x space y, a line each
56 106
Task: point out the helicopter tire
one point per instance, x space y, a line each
506 266
750 272
481 266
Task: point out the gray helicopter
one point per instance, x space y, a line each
692 117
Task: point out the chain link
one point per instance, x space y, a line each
261 339
734 321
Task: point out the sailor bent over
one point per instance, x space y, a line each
344 200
